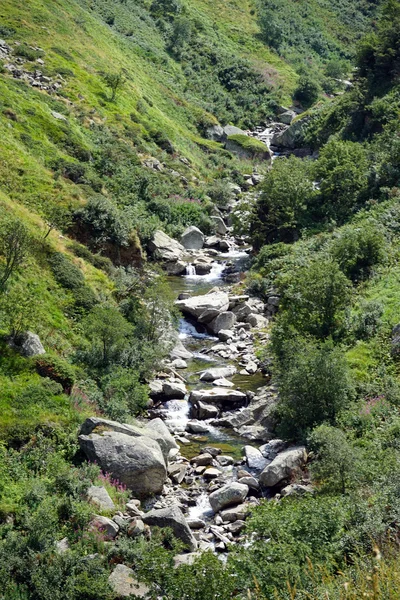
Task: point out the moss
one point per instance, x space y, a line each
249 143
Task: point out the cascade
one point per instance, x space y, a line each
190 270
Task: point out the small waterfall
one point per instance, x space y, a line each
202 509
190 270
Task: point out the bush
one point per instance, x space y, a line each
307 91
124 395
108 332
358 249
103 222
71 278
57 369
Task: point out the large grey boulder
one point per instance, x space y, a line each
204 411
124 584
29 344
229 495
179 351
218 373
287 117
165 248
196 305
192 238
215 133
137 462
99 496
283 466
290 137
254 458
220 226
232 130
174 389
154 429
218 396
225 320
107 526
173 518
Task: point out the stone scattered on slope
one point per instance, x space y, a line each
173 518
99 496
107 526
29 344
283 466
123 583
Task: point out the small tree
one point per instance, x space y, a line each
57 217
14 246
108 333
308 90
114 81
336 465
19 308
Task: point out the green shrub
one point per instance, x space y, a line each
57 369
103 221
307 91
123 395
358 249
27 52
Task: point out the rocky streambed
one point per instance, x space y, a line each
207 453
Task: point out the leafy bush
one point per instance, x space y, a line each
108 333
103 221
57 369
71 277
307 91
124 396
358 249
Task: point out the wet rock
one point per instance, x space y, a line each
192 238
173 518
196 427
254 458
218 373
124 584
228 495
174 389
283 466
99 496
203 411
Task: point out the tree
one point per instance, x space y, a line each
335 468
315 387
308 90
56 217
342 174
15 242
19 308
108 333
114 81
281 210
316 298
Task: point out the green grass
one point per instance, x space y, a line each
249 143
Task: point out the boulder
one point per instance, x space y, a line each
220 226
173 518
137 462
124 584
215 133
235 513
283 466
155 388
225 320
196 305
177 472
211 473
180 352
287 117
212 241
202 460
232 130
272 448
107 526
179 363
29 344
254 458
204 411
192 238
250 481
136 528
196 427
154 429
195 523
225 334
174 389
218 396
218 373
230 494
257 321
99 496
290 137
223 383
165 248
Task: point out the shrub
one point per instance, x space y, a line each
108 332
15 243
103 221
124 395
307 91
57 369
71 277
358 249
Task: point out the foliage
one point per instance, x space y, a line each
114 81
103 222
307 91
15 243
123 395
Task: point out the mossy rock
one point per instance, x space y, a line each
247 147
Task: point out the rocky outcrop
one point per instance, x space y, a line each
224 321
173 518
283 466
169 252
192 238
230 494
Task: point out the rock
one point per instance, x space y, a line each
203 267
195 523
220 226
232 130
272 449
185 559
62 546
229 494
208 315
174 389
203 460
156 388
218 396
235 513
136 528
296 489
251 367
236 527
250 152
165 248
225 461
58 116
29 344
211 450
100 497
225 334
283 466
107 526
192 238
287 117
175 267
225 320
177 472
250 481
215 133
180 352
212 241
173 518
137 462
218 373
133 509
223 383
196 305
290 137
257 321
211 473
254 432
255 460
124 584
179 363
196 427
205 411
